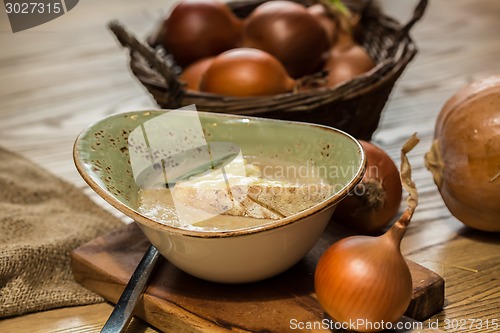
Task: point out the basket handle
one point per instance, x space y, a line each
126 39
418 12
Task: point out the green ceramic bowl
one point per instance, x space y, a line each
102 155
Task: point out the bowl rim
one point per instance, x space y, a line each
268 226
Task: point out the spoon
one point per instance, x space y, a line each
123 311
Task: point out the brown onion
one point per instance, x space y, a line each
364 281
199 29
290 33
323 17
193 73
246 72
338 21
345 64
376 199
465 155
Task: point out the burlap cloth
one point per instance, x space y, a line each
42 218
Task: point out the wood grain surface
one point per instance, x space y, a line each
57 78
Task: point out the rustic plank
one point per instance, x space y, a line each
191 304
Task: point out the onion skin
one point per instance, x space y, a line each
465 156
377 198
244 72
198 29
488 85
193 73
290 33
383 284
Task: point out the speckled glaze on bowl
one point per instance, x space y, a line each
101 156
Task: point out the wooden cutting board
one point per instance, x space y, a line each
178 302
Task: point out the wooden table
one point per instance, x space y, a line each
59 77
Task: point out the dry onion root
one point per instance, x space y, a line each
376 199
364 281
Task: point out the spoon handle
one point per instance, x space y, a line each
124 308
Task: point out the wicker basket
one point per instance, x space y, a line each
354 106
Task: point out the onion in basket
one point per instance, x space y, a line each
339 23
345 59
198 29
192 74
323 17
246 72
290 33
465 155
344 65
